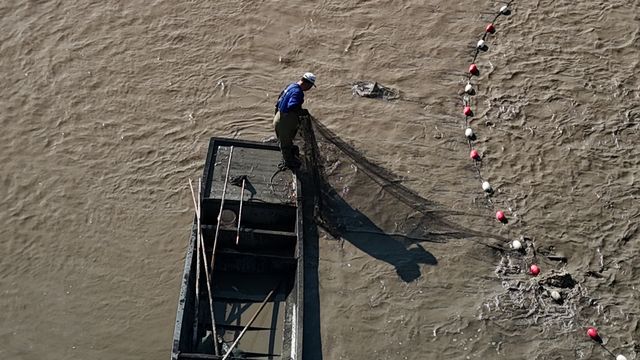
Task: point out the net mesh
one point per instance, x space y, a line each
340 174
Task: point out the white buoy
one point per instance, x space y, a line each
504 9
621 357
516 244
468 89
480 44
556 295
469 133
486 186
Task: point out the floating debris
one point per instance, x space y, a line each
374 90
563 281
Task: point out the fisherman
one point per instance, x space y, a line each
287 119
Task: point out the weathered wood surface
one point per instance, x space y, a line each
259 165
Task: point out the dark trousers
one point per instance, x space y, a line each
286 127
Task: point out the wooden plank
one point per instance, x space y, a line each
194 356
265 182
255 231
246 355
239 327
290 259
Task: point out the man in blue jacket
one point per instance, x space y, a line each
287 118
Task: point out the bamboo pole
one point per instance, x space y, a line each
197 309
240 212
206 271
237 340
224 191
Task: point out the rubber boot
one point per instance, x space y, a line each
289 158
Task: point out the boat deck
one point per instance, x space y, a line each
266 184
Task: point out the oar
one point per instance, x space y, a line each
240 211
264 302
206 270
224 191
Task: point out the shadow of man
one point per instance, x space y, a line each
423 220
350 224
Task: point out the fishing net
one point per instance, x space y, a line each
528 301
339 171
359 201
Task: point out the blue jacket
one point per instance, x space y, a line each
291 99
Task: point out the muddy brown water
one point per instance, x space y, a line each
106 108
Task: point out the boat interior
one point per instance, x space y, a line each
256 266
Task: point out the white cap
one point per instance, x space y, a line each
310 78
481 43
621 357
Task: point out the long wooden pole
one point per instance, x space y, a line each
206 272
240 211
224 191
264 302
197 309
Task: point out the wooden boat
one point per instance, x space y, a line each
257 276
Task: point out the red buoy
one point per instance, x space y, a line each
474 154
501 216
467 111
490 28
473 70
593 333
534 269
